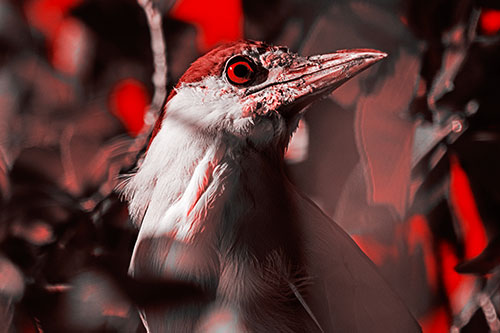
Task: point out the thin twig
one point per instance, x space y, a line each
158 47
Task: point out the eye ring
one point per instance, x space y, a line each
240 71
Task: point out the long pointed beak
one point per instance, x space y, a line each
307 78
329 71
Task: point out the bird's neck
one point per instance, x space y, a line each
259 243
258 209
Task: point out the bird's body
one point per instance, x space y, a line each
215 207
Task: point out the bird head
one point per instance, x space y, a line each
239 96
256 92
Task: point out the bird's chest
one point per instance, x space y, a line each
260 252
258 296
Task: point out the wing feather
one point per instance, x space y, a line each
347 293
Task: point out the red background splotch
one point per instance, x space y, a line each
216 21
490 21
77 87
129 101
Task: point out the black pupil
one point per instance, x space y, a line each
241 71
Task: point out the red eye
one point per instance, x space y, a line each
239 71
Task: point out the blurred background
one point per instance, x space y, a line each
405 157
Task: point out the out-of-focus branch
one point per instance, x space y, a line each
158 47
119 156
480 299
457 42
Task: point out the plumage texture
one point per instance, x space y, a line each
215 208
